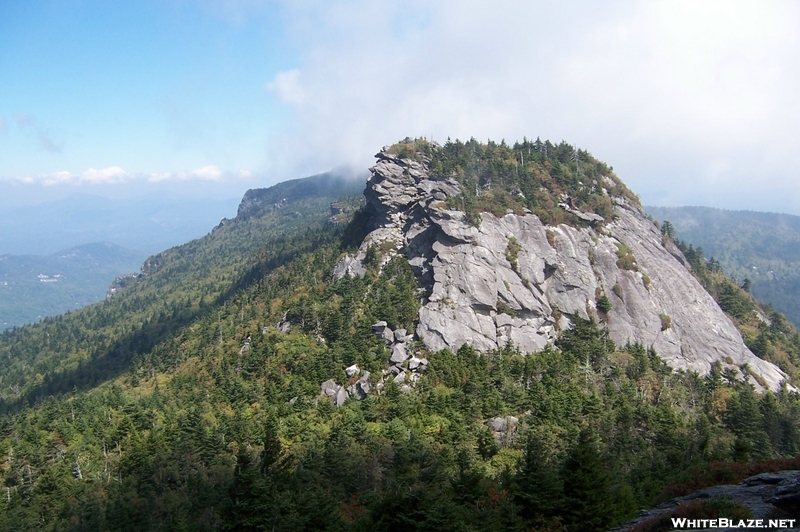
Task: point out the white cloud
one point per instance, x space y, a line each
116 175
112 174
691 101
207 173
288 87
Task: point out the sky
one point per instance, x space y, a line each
692 102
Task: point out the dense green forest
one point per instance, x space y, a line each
762 247
179 404
533 175
32 287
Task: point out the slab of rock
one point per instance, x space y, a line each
400 335
399 354
284 325
503 424
340 397
363 384
350 266
329 387
762 494
352 370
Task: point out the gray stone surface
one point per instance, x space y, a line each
340 397
349 265
502 424
762 494
353 370
475 296
329 387
399 354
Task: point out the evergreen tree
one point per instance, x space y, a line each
587 503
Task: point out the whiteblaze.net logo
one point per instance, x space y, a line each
724 522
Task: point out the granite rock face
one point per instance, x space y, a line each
479 291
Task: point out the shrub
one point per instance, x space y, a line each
666 322
551 238
604 304
512 252
625 258
617 289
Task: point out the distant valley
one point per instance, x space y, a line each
759 246
35 286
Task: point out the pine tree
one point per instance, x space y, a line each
587 503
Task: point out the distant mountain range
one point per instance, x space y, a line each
148 223
760 246
34 286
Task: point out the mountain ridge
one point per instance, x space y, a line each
214 393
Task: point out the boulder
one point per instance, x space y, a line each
363 384
503 424
329 387
340 397
762 494
352 370
399 354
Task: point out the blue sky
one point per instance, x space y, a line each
149 87
692 102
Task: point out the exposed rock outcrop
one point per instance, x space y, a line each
514 279
762 494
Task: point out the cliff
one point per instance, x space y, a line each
514 278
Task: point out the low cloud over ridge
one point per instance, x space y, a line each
693 102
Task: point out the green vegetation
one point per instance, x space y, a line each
759 246
604 304
765 331
179 405
533 175
625 258
617 289
512 252
666 321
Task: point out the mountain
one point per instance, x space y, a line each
283 372
32 286
759 246
513 278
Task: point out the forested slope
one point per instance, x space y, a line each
179 404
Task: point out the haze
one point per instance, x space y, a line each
693 103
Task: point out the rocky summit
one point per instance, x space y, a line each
513 278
